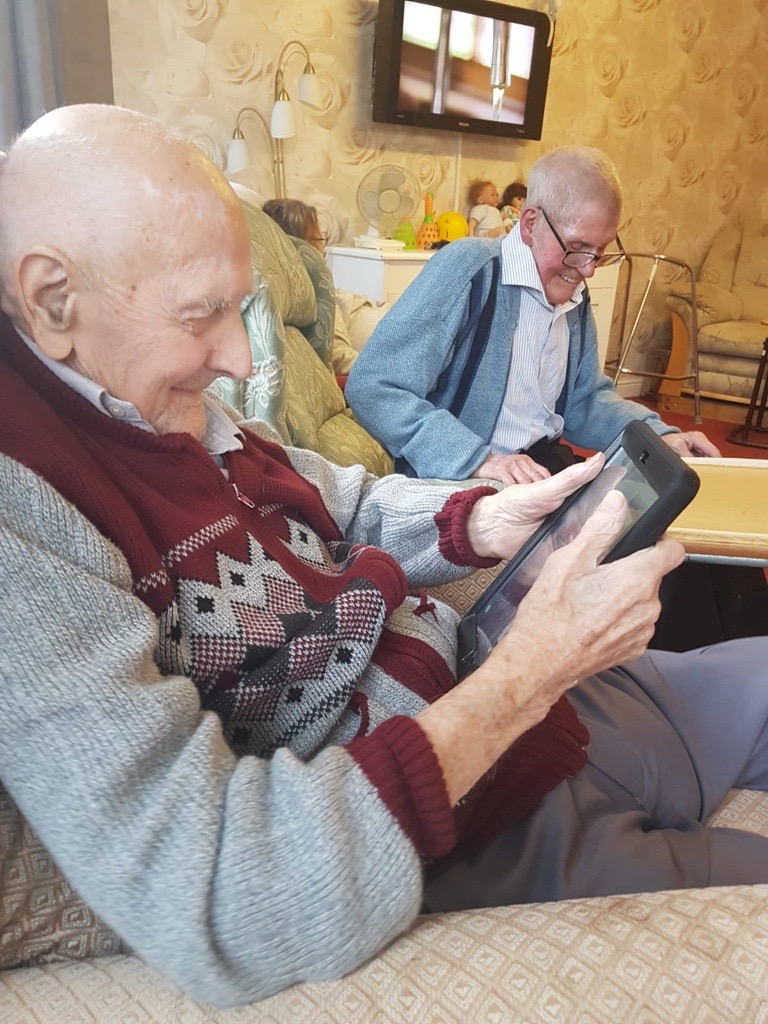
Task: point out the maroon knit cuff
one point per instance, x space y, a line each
451 521
399 761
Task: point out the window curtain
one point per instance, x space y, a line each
52 52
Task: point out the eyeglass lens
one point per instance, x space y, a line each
574 258
581 259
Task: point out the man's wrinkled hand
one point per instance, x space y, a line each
501 523
511 469
581 617
692 442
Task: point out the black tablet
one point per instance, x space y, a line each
657 485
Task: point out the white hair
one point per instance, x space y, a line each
566 179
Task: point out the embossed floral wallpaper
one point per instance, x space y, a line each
674 90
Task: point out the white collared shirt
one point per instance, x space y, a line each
221 434
539 355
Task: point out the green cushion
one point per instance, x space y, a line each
342 440
319 333
311 394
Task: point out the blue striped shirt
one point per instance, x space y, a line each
539 355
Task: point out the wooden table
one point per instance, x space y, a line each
728 519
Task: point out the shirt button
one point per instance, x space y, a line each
117 411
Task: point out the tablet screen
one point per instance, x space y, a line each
619 473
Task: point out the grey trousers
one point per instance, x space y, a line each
670 735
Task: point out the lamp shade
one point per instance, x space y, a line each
237 156
283 123
310 91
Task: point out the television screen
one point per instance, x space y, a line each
468 65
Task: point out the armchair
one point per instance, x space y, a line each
731 312
289 319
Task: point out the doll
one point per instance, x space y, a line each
484 217
512 201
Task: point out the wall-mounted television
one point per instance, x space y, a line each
462 65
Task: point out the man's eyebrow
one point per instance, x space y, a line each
580 244
207 304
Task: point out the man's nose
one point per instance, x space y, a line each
232 356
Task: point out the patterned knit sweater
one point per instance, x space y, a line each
295 631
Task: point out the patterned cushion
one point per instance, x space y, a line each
42 919
316 413
261 396
720 263
693 955
754 300
462 594
741 338
752 264
746 809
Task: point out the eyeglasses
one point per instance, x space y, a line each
579 258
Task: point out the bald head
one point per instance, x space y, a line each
125 255
108 189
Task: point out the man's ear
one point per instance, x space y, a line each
528 218
47 297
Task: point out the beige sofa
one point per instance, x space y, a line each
694 957
731 312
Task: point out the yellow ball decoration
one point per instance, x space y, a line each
452 226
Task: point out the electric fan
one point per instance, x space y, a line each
386 195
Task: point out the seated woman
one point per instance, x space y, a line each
356 315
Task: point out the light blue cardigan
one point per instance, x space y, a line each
403 383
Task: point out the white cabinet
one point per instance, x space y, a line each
382 275
602 291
